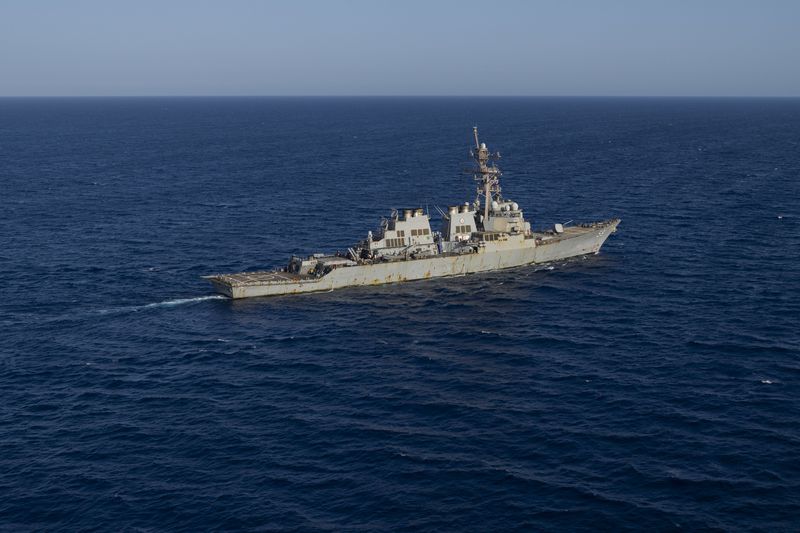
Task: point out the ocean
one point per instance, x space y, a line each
653 386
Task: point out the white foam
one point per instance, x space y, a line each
165 303
180 301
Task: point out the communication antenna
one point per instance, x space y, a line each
487 175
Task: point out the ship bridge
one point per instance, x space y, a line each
507 217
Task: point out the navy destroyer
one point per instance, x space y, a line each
488 234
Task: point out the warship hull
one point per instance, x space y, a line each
518 250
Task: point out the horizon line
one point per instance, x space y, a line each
575 96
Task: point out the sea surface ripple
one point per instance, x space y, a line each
652 386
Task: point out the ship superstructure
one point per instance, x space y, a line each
490 233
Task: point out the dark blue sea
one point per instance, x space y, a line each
655 386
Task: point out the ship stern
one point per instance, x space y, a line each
221 286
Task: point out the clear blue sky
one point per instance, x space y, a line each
401 47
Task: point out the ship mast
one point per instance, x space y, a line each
487 176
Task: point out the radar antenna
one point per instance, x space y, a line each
487 175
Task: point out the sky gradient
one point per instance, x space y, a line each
409 47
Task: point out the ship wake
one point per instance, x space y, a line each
165 303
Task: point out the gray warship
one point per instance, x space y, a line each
488 234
